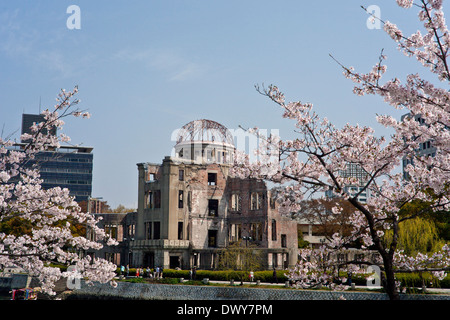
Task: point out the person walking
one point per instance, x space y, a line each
274 277
122 270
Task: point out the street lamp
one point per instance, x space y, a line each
248 238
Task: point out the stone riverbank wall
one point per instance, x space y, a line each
145 291
15 281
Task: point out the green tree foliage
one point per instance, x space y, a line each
417 235
442 221
122 209
239 256
17 226
302 243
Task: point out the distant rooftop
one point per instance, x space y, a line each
77 149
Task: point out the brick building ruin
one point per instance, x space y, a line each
190 208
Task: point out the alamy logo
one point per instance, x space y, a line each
374 279
74 20
373 22
74 279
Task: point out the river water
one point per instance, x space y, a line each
5 296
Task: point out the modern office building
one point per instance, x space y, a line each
30 119
66 167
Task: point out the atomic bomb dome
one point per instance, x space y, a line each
204 130
205 141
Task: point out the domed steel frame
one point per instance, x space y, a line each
204 130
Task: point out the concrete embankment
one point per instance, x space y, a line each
14 281
154 291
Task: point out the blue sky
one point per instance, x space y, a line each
146 68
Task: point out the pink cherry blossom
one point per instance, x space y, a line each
314 162
48 211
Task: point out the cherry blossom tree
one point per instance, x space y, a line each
313 163
48 214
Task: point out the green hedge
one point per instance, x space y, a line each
226 275
407 279
415 280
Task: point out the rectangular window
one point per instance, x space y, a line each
130 231
283 241
157 198
274 260
211 155
256 231
148 230
256 200
213 207
212 238
181 175
180 230
274 230
212 178
153 199
180 199
235 202
156 230
235 232
149 200
189 200
272 202
253 201
112 231
304 229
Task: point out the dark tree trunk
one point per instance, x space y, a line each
389 283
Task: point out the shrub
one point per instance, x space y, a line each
227 275
267 276
416 280
168 281
135 280
172 273
407 280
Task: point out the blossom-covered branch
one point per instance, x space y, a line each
317 161
46 215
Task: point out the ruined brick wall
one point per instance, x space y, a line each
204 218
